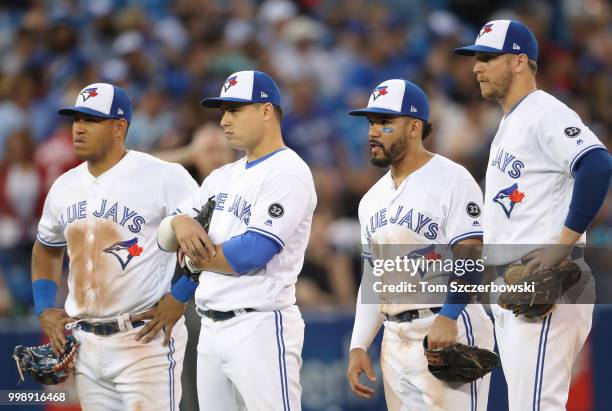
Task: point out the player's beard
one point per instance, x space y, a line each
499 91
395 153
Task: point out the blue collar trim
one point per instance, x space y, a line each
253 163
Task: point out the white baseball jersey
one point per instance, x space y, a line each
529 179
439 203
109 226
273 196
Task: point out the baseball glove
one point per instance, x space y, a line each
549 285
460 363
43 365
204 217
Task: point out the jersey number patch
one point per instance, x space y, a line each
276 210
472 209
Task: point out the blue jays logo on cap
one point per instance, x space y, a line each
88 93
246 87
379 91
231 81
101 100
401 98
508 197
124 251
503 36
487 28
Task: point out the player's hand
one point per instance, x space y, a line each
192 238
163 316
359 363
52 322
443 332
547 257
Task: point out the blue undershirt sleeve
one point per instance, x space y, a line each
593 174
456 300
249 251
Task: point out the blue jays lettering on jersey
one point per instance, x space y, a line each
120 214
403 216
507 162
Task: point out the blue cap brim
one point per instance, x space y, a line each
473 49
215 102
375 110
71 111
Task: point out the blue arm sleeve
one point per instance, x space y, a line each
593 174
456 301
248 251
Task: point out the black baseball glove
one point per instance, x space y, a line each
204 217
44 366
549 285
460 363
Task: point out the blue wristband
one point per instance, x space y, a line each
44 292
184 289
451 310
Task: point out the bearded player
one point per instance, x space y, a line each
547 177
431 203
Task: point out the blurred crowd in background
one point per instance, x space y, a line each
326 55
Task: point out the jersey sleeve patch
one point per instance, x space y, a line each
276 210
472 209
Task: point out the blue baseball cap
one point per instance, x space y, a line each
503 36
101 100
398 98
246 87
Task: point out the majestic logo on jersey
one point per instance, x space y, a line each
379 91
88 93
122 215
572 132
486 29
508 198
408 218
428 253
507 163
230 82
125 251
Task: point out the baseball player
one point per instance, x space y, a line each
249 352
430 202
105 212
546 178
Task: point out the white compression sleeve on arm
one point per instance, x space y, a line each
367 323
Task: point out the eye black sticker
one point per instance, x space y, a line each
472 209
276 210
572 132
